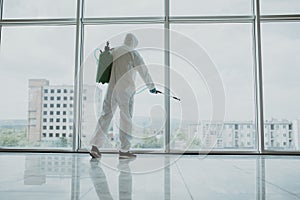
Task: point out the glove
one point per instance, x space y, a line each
154 91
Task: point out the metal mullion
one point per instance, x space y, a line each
31 22
1 15
279 18
90 21
77 95
258 79
212 19
167 75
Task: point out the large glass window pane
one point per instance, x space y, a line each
148 112
120 8
37 68
210 7
280 7
229 46
21 9
281 44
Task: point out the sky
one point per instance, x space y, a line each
48 52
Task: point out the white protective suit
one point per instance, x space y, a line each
120 92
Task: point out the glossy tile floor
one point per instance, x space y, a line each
76 176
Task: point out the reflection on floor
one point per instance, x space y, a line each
76 176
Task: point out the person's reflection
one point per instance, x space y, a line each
100 182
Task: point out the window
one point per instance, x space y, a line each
57 120
65 98
44 135
115 8
64 120
51 105
210 7
58 98
56 134
51 112
50 134
45 90
45 112
44 119
64 113
58 90
52 91
45 98
58 105
38 9
64 127
280 42
64 135
44 127
65 91
64 105
52 98
51 119
57 127
57 112
51 127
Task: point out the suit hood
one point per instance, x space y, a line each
130 41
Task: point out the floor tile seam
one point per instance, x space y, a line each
184 182
281 188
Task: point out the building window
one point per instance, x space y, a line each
51 127
57 120
64 127
45 113
284 126
71 127
64 105
57 112
44 135
65 98
44 120
44 127
51 113
51 105
45 91
64 120
52 90
272 126
58 98
236 126
56 134
71 105
71 98
50 134
284 143
290 126
64 113
71 91
65 91
57 127
52 98
51 119
58 105
45 98
64 135
58 90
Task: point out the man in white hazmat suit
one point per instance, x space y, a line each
120 92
